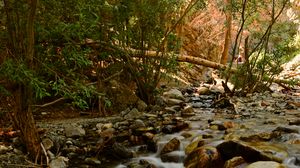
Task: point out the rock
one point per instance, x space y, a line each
252 152
137 124
3 149
171 146
141 105
173 94
120 151
175 156
48 143
74 131
203 157
107 134
172 102
265 164
92 161
172 110
203 91
168 129
187 111
234 162
192 146
217 125
134 113
59 162
294 122
286 130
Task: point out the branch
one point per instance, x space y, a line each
50 103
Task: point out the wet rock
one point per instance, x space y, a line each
171 146
192 146
48 143
59 162
74 131
217 125
203 157
120 151
134 113
175 156
141 164
92 161
168 129
252 152
234 162
286 130
172 102
294 122
173 94
265 164
187 111
223 103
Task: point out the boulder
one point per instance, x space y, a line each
265 164
252 152
187 111
171 146
173 94
203 157
234 162
175 156
203 91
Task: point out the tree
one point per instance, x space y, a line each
20 26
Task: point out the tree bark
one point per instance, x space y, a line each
228 24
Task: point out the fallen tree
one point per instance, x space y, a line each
203 62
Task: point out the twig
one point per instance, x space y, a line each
44 150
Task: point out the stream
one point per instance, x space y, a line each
268 122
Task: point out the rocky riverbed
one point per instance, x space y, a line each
191 127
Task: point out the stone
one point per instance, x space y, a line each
175 156
171 146
74 131
252 152
3 149
137 124
141 105
92 161
203 157
59 162
203 91
134 113
234 162
48 143
120 151
265 164
168 129
294 122
172 102
173 94
195 144
187 111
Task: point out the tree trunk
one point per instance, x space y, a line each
228 24
20 26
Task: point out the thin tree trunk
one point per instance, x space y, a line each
228 26
20 26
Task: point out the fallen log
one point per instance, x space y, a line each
201 61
